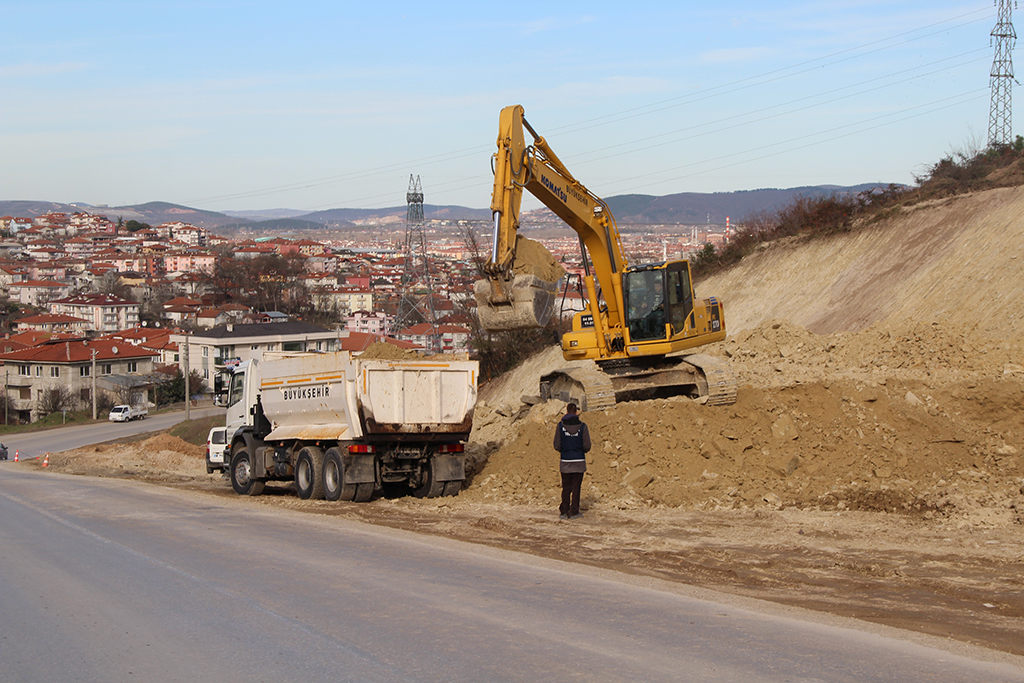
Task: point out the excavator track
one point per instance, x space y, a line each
584 384
719 376
596 387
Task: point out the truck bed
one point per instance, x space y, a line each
337 396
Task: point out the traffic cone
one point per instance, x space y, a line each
46 460
15 456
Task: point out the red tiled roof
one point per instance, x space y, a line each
78 352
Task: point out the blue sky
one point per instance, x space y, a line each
316 105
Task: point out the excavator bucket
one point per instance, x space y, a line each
524 302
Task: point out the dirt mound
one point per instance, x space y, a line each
916 422
385 351
159 457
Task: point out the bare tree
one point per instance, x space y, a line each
129 394
54 399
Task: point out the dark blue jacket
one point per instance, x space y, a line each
572 441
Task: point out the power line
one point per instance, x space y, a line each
970 96
718 91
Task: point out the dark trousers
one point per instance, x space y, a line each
571 484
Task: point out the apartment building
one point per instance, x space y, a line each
105 312
72 366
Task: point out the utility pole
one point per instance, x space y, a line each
188 395
92 374
1000 130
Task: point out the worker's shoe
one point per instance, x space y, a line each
576 516
563 516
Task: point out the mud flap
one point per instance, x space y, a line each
449 467
525 302
360 469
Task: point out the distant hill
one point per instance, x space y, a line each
697 208
687 208
333 217
281 225
153 213
266 214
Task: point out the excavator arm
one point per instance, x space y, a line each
510 289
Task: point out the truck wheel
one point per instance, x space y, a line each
431 488
242 480
452 488
335 487
364 492
309 468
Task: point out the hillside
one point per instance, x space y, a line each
957 261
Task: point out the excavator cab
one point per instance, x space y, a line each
659 298
644 292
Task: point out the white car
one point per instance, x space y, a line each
216 450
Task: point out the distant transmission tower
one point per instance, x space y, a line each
1000 130
416 303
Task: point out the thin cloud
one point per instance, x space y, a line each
35 70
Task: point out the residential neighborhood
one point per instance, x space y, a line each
98 311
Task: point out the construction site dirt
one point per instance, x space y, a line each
872 466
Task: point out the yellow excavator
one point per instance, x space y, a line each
635 327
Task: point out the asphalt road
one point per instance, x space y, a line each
109 581
36 444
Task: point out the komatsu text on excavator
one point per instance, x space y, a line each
635 326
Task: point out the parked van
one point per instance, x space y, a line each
125 413
216 450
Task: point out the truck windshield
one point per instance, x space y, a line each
235 392
645 304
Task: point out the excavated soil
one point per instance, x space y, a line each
871 467
533 258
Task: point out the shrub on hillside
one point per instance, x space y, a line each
956 173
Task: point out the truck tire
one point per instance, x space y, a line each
242 480
364 492
452 488
309 473
431 488
335 487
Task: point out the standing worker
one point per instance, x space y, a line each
572 441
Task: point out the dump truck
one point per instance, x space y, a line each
344 427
